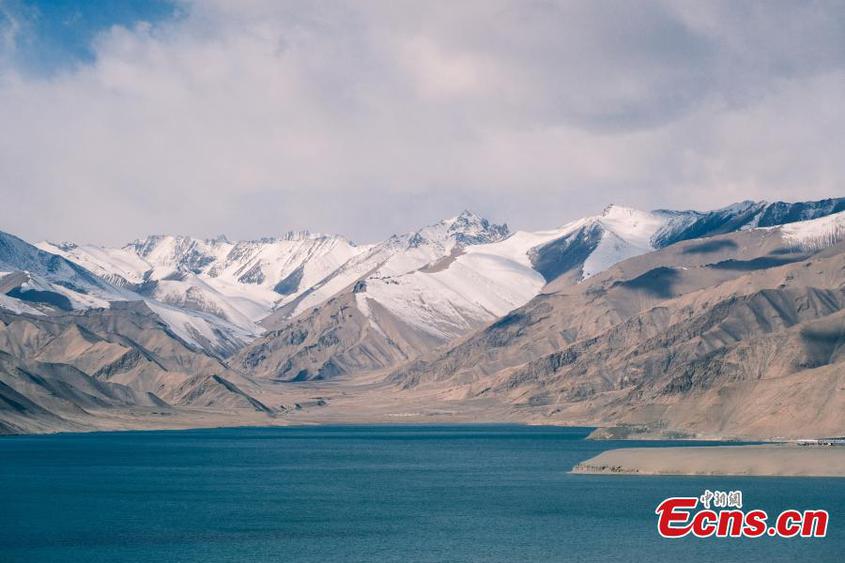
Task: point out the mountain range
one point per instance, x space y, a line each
724 323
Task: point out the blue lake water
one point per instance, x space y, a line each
375 493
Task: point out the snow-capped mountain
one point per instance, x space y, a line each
462 301
416 291
400 297
748 215
35 276
591 245
35 281
437 283
474 284
240 282
459 291
398 255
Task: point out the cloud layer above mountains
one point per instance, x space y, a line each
368 118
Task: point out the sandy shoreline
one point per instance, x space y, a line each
758 460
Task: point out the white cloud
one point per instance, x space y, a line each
368 118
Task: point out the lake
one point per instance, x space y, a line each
364 493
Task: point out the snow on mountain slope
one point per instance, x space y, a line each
117 265
472 285
748 215
41 277
191 292
170 281
340 326
37 281
593 244
400 254
816 233
279 266
627 233
204 331
469 287
240 282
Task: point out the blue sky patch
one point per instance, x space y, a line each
53 34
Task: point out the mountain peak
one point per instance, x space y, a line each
468 228
616 210
303 234
608 209
465 229
467 214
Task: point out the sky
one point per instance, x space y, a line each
368 118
